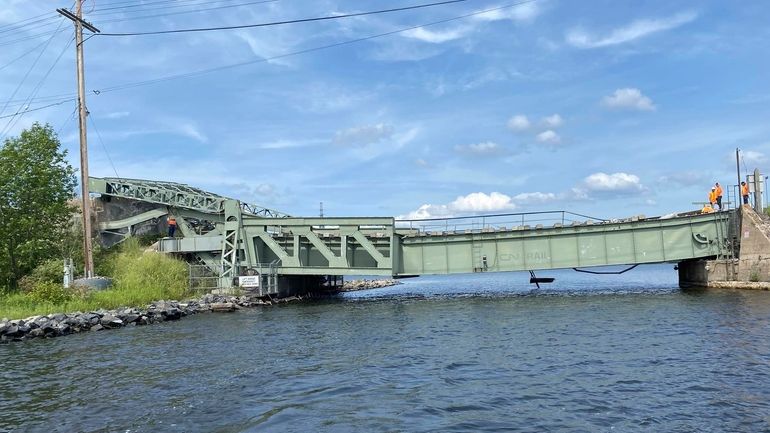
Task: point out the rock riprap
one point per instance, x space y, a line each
58 324
353 285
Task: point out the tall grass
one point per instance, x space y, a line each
138 278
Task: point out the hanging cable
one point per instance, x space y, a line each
26 53
304 51
69 119
12 122
301 20
197 10
121 9
29 110
37 59
99 136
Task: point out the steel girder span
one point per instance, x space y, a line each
524 248
230 237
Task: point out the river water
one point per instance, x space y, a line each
468 353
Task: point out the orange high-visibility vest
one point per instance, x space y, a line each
719 191
172 221
745 189
713 197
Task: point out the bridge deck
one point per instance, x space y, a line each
230 237
578 245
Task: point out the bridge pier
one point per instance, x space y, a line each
751 268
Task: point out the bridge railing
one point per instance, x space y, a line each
497 222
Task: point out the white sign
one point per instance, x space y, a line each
249 281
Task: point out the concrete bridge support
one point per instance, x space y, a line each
749 270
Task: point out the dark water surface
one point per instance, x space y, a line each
467 353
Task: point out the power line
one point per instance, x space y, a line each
30 20
197 10
22 56
35 36
28 26
12 122
48 42
37 108
276 23
305 51
89 117
106 11
69 119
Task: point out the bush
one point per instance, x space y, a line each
47 292
49 272
138 279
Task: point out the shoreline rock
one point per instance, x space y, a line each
354 285
60 324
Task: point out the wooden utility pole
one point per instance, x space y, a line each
77 18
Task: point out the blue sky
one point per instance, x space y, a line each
606 108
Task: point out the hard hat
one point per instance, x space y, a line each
712 188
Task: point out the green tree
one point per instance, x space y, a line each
36 185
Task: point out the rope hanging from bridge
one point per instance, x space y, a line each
605 272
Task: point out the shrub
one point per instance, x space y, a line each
47 292
50 271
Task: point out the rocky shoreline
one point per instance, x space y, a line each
353 285
59 324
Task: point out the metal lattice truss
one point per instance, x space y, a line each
173 194
231 238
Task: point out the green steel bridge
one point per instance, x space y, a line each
232 238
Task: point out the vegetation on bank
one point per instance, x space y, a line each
139 278
39 226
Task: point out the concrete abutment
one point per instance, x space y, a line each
749 270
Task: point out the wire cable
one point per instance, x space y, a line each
276 23
29 110
304 51
69 119
12 122
22 56
37 59
99 136
198 10
113 11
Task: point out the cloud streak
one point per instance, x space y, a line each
581 38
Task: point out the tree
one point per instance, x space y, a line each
36 185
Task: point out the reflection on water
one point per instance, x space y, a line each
463 353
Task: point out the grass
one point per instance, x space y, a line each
138 279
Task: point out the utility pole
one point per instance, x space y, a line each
738 169
77 19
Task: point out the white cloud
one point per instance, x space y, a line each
628 98
363 135
481 202
421 162
523 13
549 137
435 37
472 203
117 115
191 131
518 123
616 182
685 178
752 158
581 38
534 197
483 148
553 121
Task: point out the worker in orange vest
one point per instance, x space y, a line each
718 190
745 192
713 197
171 226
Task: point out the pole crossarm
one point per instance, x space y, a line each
172 194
